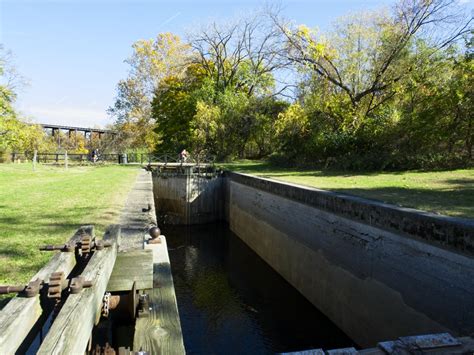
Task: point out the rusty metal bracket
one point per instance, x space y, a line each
5 290
57 283
68 247
33 288
78 283
86 245
30 290
101 244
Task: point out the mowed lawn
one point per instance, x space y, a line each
442 192
47 206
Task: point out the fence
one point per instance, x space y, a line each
121 158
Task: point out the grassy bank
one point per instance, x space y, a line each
48 205
444 192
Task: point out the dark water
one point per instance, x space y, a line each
231 302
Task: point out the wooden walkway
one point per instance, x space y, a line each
160 332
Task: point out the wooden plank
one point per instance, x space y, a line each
21 314
160 332
132 266
72 328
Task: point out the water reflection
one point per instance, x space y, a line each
231 302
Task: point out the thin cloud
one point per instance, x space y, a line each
165 22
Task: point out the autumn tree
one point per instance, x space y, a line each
242 55
152 61
365 58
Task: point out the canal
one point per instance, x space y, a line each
231 302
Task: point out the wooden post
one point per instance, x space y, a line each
65 160
71 330
35 157
21 314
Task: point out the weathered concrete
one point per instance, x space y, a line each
448 232
138 213
185 198
378 271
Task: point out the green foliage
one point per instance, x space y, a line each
15 134
152 62
382 90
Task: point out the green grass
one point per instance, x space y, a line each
443 192
48 205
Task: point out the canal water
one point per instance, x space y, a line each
231 302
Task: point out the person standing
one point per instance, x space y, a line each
183 156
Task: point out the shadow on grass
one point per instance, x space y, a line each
458 203
461 183
262 168
67 219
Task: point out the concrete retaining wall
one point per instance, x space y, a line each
378 271
188 199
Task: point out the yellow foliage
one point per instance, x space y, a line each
292 122
205 124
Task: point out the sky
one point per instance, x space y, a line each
72 52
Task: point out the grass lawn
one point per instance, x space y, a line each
443 192
48 205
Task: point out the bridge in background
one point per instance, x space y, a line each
72 129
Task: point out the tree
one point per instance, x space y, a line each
241 56
364 59
151 62
174 106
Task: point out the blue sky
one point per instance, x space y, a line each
72 52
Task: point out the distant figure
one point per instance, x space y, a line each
183 156
95 155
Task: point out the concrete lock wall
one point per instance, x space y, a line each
376 270
187 198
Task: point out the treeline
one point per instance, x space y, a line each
14 133
18 135
391 89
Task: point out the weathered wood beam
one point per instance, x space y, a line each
132 266
72 328
160 332
21 314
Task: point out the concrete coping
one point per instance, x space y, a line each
451 232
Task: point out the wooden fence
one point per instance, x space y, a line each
120 158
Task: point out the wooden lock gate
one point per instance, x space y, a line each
78 303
